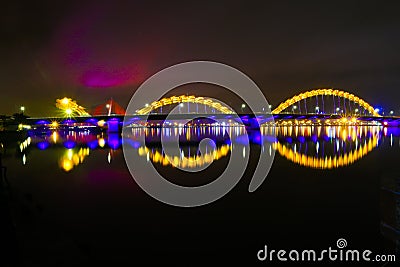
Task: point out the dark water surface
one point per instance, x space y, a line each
74 201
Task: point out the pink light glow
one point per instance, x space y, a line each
102 77
91 51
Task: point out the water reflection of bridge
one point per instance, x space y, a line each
322 147
299 129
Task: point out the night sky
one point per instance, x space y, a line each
91 51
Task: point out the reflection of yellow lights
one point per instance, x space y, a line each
72 159
102 142
344 134
67 165
185 162
70 154
55 137
23 145
353 136
327 162
331 122
75 159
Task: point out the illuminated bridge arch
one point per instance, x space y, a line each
185 99
326 92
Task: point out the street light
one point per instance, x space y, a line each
243 107
317 109
22 108
68 111
391 112
180 106
294 109
337 110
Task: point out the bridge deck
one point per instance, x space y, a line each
260 116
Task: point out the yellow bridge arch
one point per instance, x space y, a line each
184 99
325 92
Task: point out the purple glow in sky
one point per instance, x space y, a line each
104 76
88 52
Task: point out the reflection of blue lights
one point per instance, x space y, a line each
113 125
302 139
43 145
69 144
394 130
255 137
93 144
242 140
270 138
314 138
289 140
114 141
134 144
209 142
